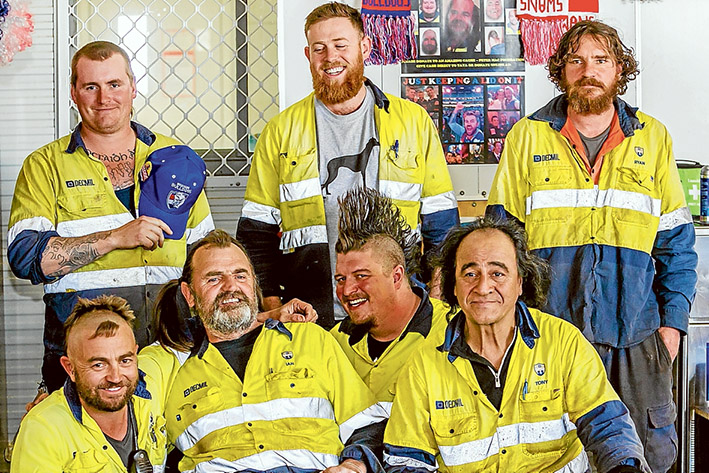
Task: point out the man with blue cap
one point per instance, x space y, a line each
108 209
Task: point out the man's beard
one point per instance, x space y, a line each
330 92
228 322
429 48
580 100
90 394
459 33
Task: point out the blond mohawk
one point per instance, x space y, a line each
367 215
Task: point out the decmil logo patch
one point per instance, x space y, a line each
79 183
194 388
449 403
538 158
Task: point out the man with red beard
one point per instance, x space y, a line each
107 410
595 184
347 134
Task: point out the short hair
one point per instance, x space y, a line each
104 303
331 10
367 216
604 34
174 325
534 271
99 51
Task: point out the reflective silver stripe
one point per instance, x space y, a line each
387 407
436 203
577 198
674 219
300 190
371 415
197 233
270 460
207 424
506 436
579 464
400 190
158 468
260 212
105 278
37 224
85 226
393 460
303 236
284 408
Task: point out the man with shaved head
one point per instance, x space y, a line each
104 414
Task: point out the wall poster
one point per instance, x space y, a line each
472 113
466 35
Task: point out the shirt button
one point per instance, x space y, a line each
250 424
475 393
244 394
500 415
261 447
452 431
504 451
544 408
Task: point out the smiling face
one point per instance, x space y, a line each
460 18
428 8
104 368
366 284
487 282
103 94
590 77
336 51
470 121
223 291
493 9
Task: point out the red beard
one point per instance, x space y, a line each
582 102
330 92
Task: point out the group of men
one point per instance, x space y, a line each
501 386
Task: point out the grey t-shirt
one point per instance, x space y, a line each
348 147
593 145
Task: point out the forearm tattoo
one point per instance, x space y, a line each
71 253
119 166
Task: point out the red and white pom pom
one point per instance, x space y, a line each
17 31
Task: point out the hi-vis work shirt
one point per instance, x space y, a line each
428 324
62 191
556 399
619 236
283 219
57 435
300 403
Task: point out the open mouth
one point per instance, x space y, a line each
354 303
334 71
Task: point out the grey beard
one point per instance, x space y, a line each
228 323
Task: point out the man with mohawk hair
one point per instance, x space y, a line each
388 318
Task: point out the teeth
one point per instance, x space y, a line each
334 70
355 302
231 301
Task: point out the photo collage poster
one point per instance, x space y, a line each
472 113
466 36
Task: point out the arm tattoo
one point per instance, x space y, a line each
71 253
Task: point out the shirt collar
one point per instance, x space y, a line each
143 134
455 332
270 324
72 395
421 321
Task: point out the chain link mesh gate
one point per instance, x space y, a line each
206 70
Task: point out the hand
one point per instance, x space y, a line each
347 466
41 396
294 310
148 232
458 107
670 336
271 302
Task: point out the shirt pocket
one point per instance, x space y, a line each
296 401
403 165
543 423
79 206
634 203
87 462
296 166
454 430
200 404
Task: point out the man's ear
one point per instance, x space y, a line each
399 275
68 367
187 293
306 50
366 45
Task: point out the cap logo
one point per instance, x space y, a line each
175 199
287 355
540 369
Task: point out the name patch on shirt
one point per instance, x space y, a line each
449 403
79 183
194 388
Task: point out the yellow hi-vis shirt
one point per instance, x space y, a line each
300 401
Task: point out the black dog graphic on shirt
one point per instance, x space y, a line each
353 162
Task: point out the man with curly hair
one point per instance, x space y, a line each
510 388
595 184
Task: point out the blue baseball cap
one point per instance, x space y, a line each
170 183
